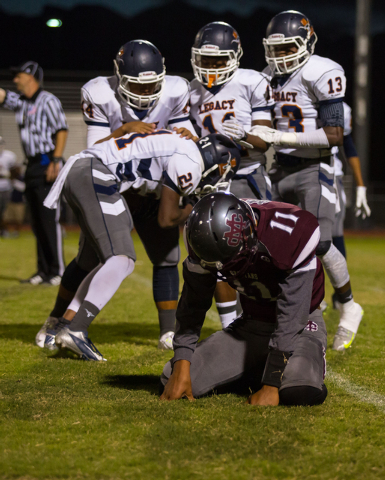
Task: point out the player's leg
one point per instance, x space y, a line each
303 378
162 248
106 221
314 188
229 360
338 226
74 274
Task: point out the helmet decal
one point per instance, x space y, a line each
237 225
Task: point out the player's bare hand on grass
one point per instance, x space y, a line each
52 172
139 127
185 133
266 396
179 383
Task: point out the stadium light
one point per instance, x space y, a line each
54 23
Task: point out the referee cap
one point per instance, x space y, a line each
32 68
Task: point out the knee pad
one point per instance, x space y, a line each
323 248
303 396
165 283
73 276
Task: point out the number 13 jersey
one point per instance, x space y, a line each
298 96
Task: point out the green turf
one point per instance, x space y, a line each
65 418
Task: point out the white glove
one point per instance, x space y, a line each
362 207
267 134
234 129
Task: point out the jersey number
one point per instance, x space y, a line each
331 86
294 114
208 121
282 226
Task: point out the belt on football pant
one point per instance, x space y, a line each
292 161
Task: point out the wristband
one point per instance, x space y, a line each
274 368
57 159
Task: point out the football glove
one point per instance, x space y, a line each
362 207
234 129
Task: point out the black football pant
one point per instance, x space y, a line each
47 230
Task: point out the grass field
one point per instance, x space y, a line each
65 418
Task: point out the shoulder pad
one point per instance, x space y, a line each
98 90
318 66
290 234
175 86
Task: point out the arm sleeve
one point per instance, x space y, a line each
196 300
11 100
293 306
262 102
55 114
349 147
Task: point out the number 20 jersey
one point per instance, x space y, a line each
298 96
146 162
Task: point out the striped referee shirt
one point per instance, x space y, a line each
39 118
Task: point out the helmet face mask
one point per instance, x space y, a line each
140 63
216 39
285 29
221 158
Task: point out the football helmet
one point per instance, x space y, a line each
139 62
216 39
290 27
221 232
221 158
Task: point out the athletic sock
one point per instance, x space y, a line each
166 321
339 243
60 307
83 318
227 312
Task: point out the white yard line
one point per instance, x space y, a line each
362 394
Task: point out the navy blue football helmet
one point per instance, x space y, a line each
221 232
290 27
139 62
216 39
221 159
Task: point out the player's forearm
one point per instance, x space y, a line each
258 144
3 94
61 139
355 165
335 136
173 217
119 132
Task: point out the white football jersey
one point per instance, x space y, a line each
348 120
147 161
104 111
7 161
298 97
246 96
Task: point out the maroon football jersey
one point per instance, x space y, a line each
287 239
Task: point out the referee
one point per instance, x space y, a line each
43 130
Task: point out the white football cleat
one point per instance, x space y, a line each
351 314
50 323
165 341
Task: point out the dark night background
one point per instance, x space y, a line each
92 34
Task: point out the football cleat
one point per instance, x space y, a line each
35 279
165 341
323 305
350 315
343 339
79 343
50 336
50 323
53 280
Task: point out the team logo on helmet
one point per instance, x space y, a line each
222 166
237 225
